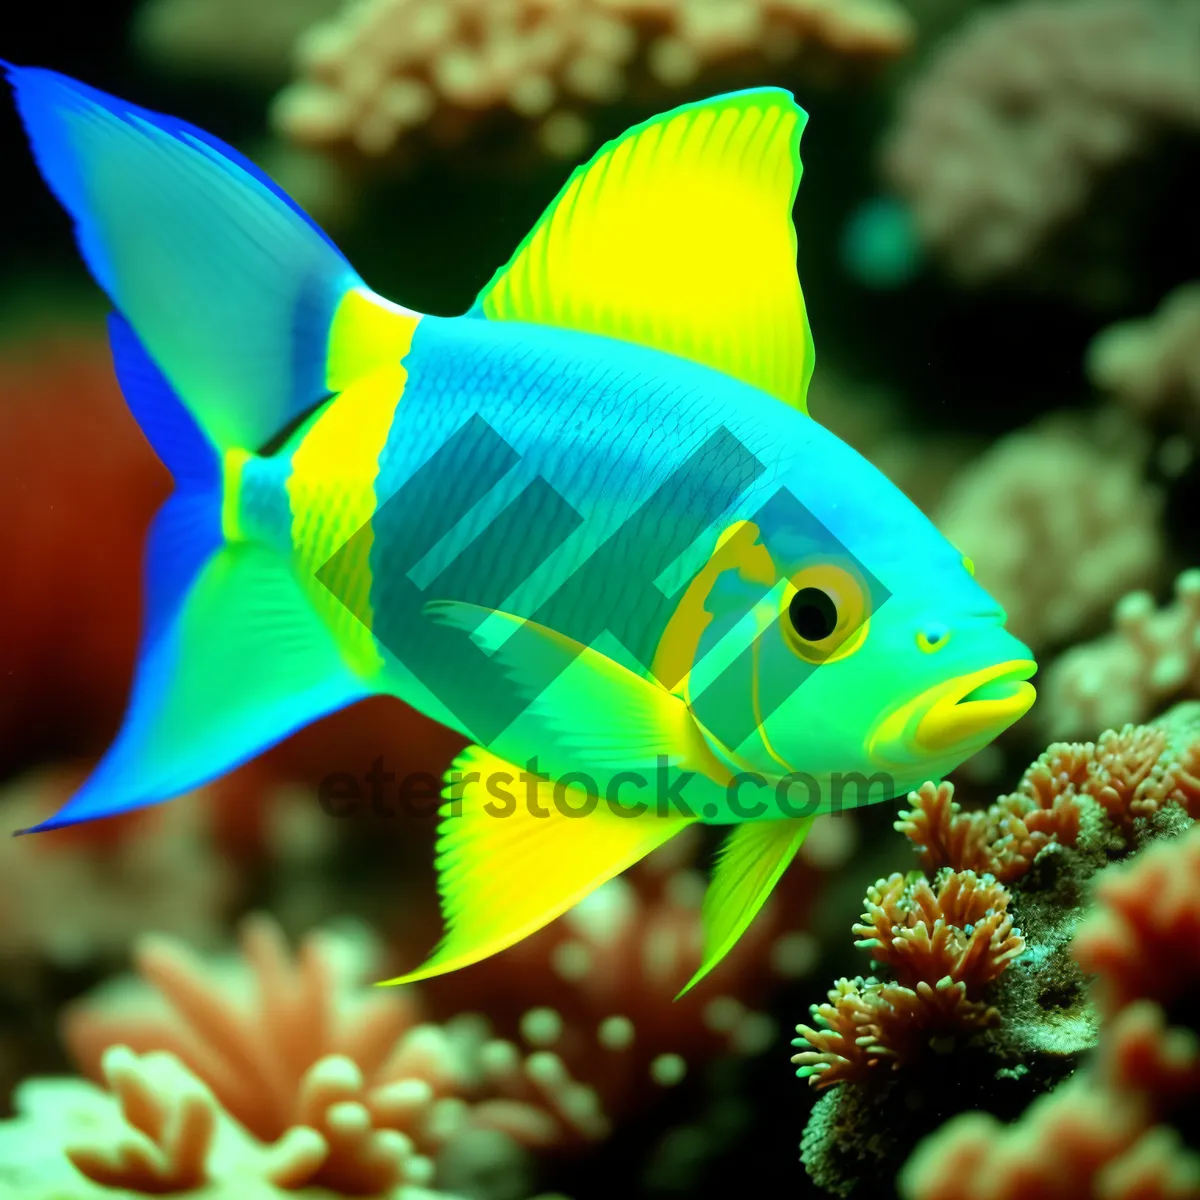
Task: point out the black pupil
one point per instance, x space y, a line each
813 614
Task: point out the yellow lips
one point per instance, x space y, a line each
943 718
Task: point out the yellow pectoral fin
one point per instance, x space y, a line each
678 235
512 857
752 860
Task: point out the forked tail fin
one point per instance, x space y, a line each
237 315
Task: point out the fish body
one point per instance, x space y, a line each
589 523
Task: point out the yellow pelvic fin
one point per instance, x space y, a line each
752 860
512 857
678 235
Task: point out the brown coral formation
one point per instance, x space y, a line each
944 946
1151 657
1102 1134
1001 141
380 68
1058 492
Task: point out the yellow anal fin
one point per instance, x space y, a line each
678 235
752 860
510 862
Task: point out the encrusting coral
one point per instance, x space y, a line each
1106 1133
1005 1015
1151 656
1002 139
379 68
1062 492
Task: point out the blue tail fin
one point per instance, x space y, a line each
232 322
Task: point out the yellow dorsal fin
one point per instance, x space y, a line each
510 859
678 235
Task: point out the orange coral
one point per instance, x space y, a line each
962 931
867 1024
1096 1137
1144 938
942 945
285 1043
1127 773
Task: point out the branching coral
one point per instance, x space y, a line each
1153 365
1151 657
1064 493
944 946
1030 1020
1002 140
382 67
286 1071
1096 1136
1125 774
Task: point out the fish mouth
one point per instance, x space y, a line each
975 706
957 717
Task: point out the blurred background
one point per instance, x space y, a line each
1001 259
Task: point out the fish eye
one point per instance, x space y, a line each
813 613
827 613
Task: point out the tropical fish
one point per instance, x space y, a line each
589 524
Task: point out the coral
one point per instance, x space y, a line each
1099 1136
1025 1006
1001 141
226 37
76 896
1152 365
1125 774
1143 939
943 946
1058 492
283 1071
1151 657
382 67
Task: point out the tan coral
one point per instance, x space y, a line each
1065 493
1152 365
1151 657
379 68
72 897
1002 139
